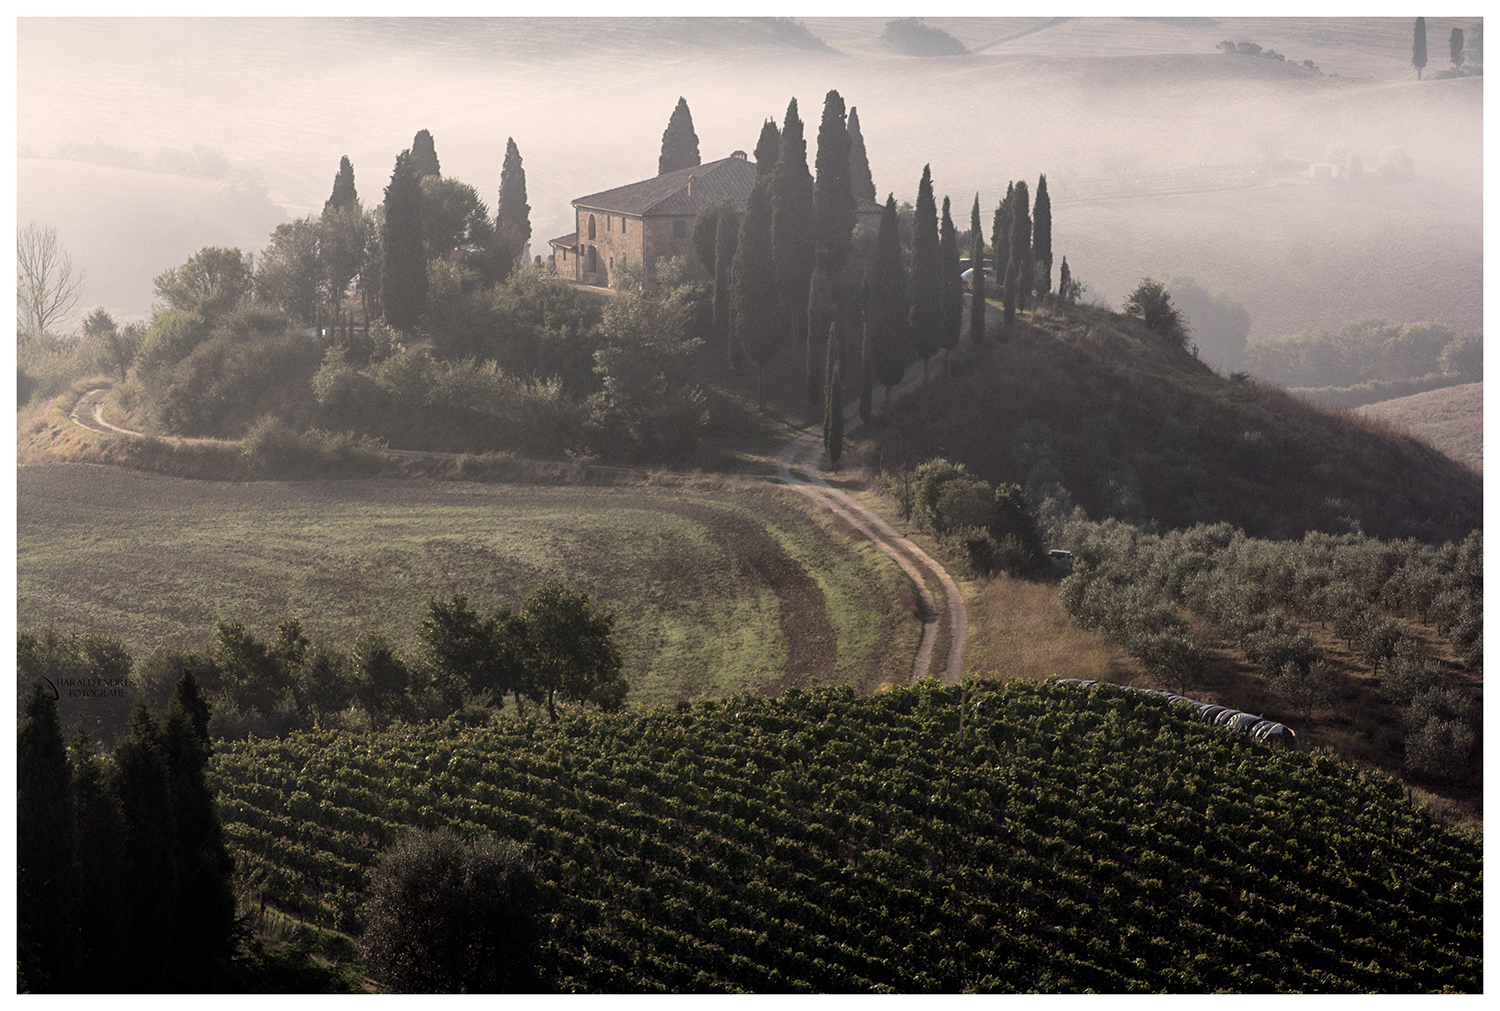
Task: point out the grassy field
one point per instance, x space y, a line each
1452 419
719 588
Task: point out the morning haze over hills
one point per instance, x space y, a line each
540 505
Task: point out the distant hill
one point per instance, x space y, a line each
1091 402
1451 419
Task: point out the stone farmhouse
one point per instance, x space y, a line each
640 223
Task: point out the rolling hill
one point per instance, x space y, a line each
1452 419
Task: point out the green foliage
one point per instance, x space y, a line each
1366 351
952 285
1220 325
886 305
679 143
1419 46
926 321
1041 240
45 841
1064 840
570 652
449 915
994 526
767 149
1151 303
833 192
403 274
793 235
424 159
291 272
977 304
861 184
211 283
513 213
753 300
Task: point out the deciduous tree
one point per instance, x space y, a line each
679 144
47 285
211 283
570 648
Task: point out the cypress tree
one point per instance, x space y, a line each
1065 281
753 299
792 224
861 183
833 197
767 149
725 244
926 318
45 885
1020 243
150 849
1456 47
833 400
866 352
679 144
976 259
1000 233
99 869
1041 236
512 213
953 287
424 159
403 288
705 234
343 194
1419 46
819 310
205 910
887 307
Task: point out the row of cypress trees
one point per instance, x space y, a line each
403 278
122 876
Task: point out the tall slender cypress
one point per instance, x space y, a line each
343 194
1041 236
792 239
726 239
1020 244
861 183
886 314
99 870
512 213
866 352
679 144
424 159
753 300
976 259
767 149
45 885
926 313
833 197
403 288
953 288
150 847
1419 46
819 310
833 399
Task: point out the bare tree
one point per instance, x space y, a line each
47 287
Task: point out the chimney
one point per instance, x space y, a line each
690 185
742 156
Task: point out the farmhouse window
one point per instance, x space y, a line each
591 226
623 222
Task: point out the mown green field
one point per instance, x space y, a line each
718 589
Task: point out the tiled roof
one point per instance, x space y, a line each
726 179
570 240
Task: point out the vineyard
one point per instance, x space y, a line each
989 837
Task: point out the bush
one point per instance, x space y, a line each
1151 303
450 916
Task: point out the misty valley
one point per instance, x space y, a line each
511 505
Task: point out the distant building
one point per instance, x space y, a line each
1324 170
640 223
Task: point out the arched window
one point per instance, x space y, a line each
591 226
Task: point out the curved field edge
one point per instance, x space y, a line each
693 572
926 839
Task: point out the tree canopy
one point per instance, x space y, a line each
679 144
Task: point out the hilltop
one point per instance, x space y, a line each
1452 419
1094 410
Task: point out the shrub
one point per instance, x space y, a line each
453 916
1151 303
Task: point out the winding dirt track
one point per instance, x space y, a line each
803 455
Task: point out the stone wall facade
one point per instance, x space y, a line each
607 242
